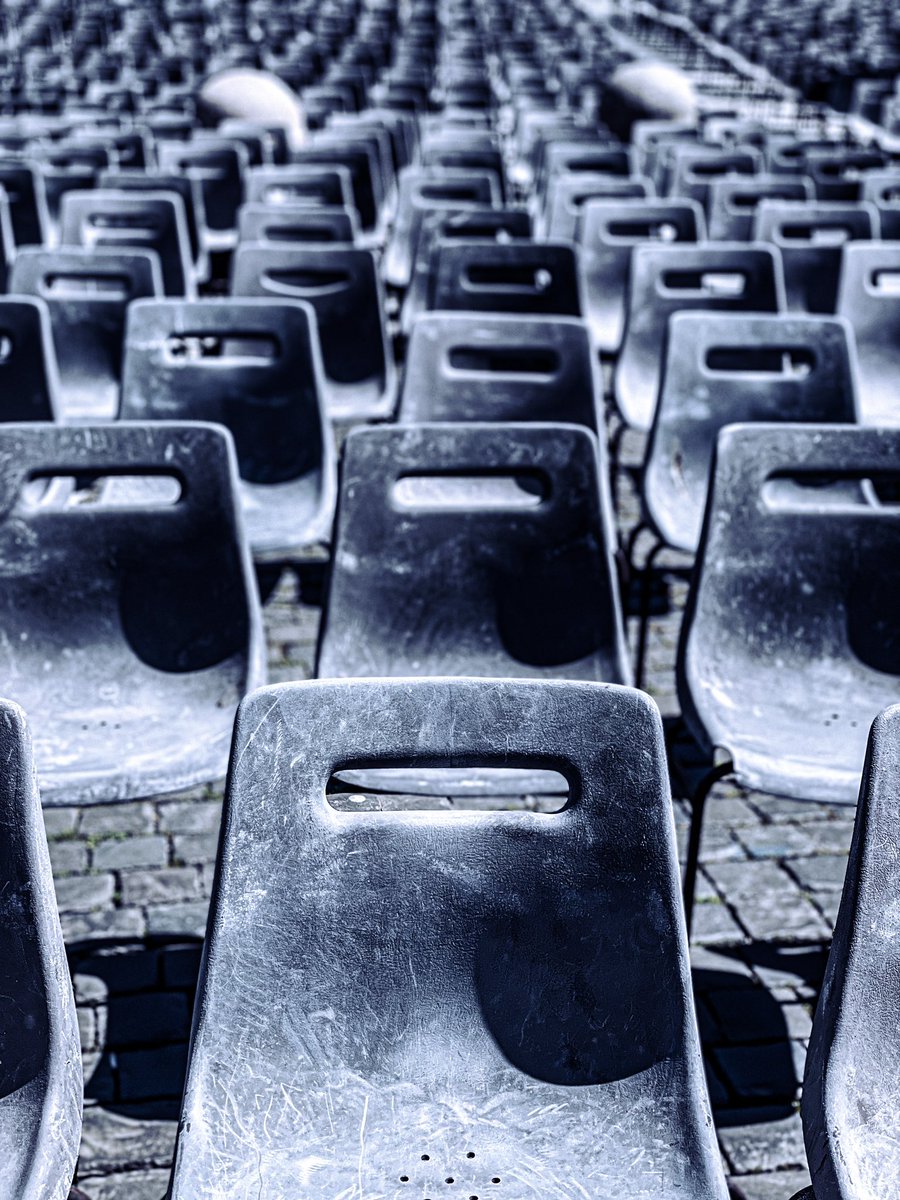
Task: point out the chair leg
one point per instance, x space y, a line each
646 576
698 807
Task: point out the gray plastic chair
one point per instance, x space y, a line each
851 1089
303 223
255 367
566 196
343 286
148 614
694 168
29 379
23 181
882 188
87 294
725 368
869 298
713 277
468 367
837 173
608 232
40 1053
298 184
811 238
515 277
732 203
392 1003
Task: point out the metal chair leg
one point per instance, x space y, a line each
644 613
698 807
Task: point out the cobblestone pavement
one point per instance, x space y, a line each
133 883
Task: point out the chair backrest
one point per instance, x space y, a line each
869 298
511 574
255 367
303 223
725 368
550 974
467 367
218 166
608 232
714 276
29 378
584 158
40 1053
87 294
137 220
732 203
791 642
117 180
567 195
329 186
837 174
23 182
882 188
148 610
343 286
811 238
694 168
851 1088
359 160
516 277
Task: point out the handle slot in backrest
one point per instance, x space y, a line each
718 167
100 491
506 360
785 362
447 191
885 282
658 230
144 222
7 346
750 201
226 346
721 283
294 193
799 489
380 792
300 233
74 285
508 277
471 489
815 233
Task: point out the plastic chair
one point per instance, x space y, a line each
218 167
695 168
567 195
253 366
139 221
298 223
518 277
359 160
837 174
722 369
882 188
325 186
851 1092
343 287
790 644
40 1053
87 294
29 379
23 183
148 614
609 230
713 277
811 239
188 189
455 976
732 203
869 298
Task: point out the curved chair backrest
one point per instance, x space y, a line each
423 190
40 1054
566 196
148 610
359 160
468 367
23 181
473 550
329 186
608 232
713 277
426 988
882 188
837 173
583 158
133 220
218 166
732 203
87 294
293 223
725 368
253 366
791 638
29 379
811 238
517 277
187 188
343 286
693 168
869 298
851 1089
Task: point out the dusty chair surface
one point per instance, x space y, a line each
791 640
811 237
253 366
135 220
713 277
375 1019
148 612
475 367
851 1089
87 293
343 286
29 379
869 298
725 368
608 232
40 1055
514 277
